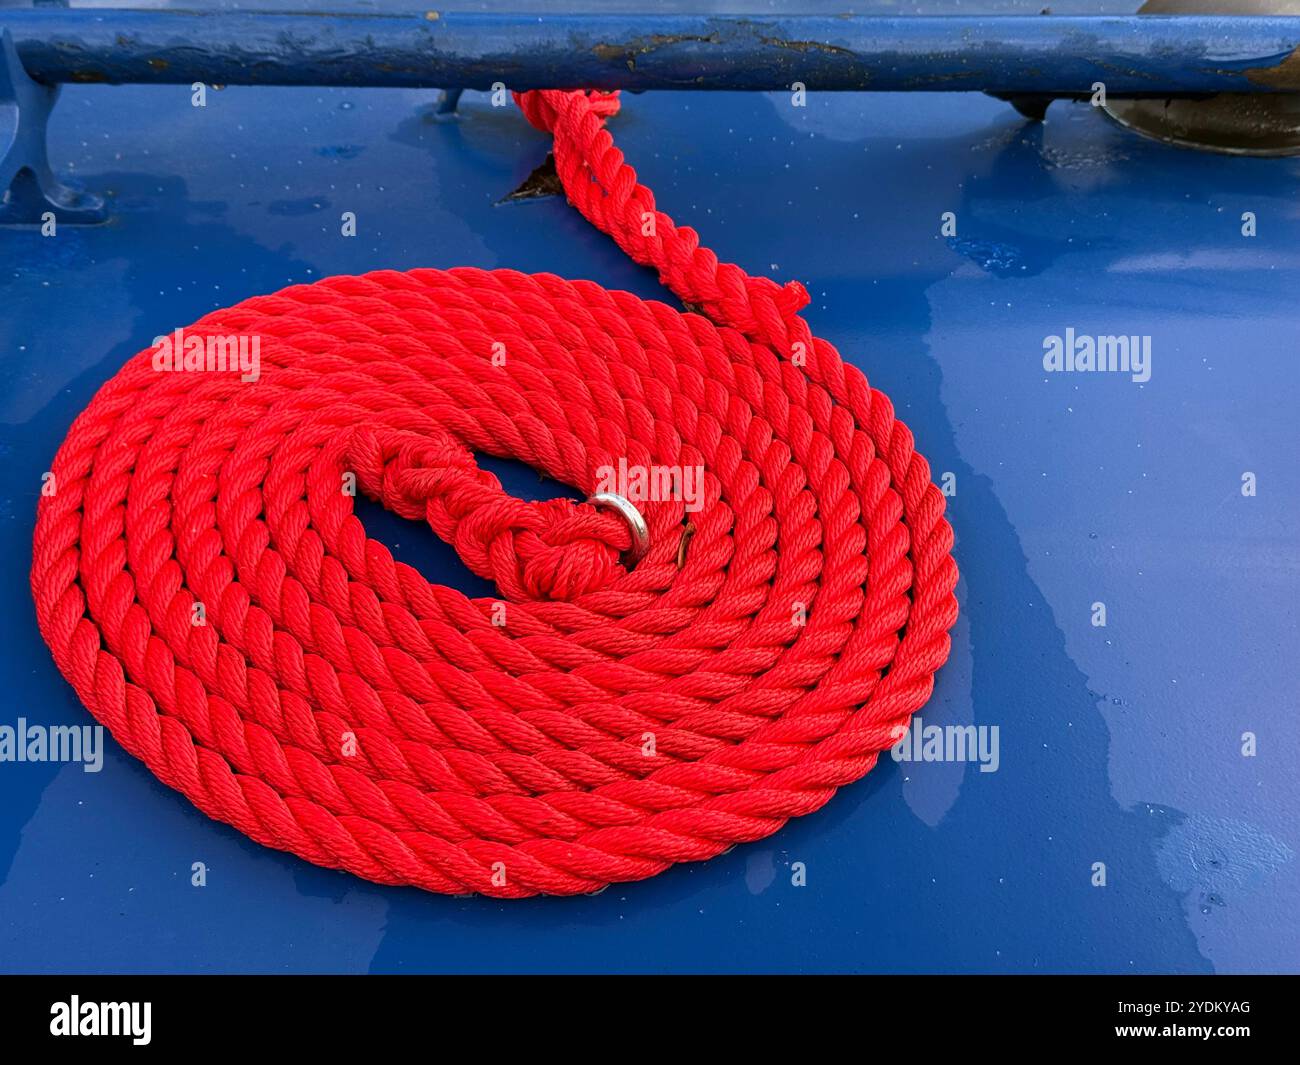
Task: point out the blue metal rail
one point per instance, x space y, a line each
1058 56
1028 60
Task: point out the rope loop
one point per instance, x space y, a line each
205 584
554 549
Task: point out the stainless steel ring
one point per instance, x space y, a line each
635 522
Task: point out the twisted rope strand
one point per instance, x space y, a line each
204 585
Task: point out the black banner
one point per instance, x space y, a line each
338 1015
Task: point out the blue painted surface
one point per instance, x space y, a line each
1120 745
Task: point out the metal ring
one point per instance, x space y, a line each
635 522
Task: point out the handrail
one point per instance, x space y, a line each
1008 54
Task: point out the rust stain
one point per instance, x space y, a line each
89 77
1286 75
808 46
159 64
643 45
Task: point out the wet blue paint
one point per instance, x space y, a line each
1068 490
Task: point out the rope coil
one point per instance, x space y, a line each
203 583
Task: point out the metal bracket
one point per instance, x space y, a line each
29 187
450 99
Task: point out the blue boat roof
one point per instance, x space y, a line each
1119 744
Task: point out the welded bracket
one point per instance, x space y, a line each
450 99
29 187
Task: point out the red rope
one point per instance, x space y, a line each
204 585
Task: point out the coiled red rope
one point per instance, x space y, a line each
204 585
